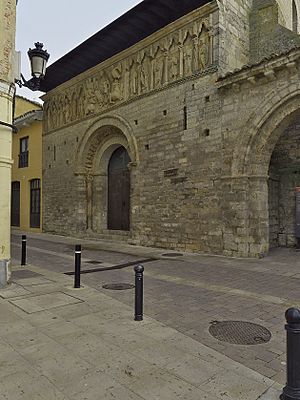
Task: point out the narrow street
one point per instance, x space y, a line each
189 292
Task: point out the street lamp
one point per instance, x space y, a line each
38 60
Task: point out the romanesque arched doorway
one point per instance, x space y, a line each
106 160
265 170
118 216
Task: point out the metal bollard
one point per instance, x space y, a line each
77 266
23 256
139 292
292 389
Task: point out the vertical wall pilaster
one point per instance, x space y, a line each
7 91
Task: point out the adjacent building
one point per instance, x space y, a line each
7 91
27 168
177 126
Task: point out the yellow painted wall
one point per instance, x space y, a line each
34 169
23 106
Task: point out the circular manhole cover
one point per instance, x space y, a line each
118 286
172 255
240 332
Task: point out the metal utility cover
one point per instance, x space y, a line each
118 286
45 302
240 332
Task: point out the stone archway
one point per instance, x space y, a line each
250 169
94 153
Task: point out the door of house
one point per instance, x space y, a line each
119 191
35 203
15 204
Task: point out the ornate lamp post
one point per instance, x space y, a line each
38 61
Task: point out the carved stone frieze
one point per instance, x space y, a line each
178 55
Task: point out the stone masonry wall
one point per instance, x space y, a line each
200 146
234 34
177 205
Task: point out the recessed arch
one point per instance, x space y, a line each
102 134
254 149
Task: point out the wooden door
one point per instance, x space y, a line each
15 204
119 191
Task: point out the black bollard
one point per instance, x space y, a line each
292 388
139 292
23 255
77 266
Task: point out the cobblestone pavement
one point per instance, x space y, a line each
187 293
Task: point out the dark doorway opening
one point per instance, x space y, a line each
35 203
284 178
15 204
119 190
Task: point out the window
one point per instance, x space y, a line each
295 17
35 203
23 156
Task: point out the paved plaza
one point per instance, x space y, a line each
53 328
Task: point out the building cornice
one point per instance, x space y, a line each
265 69
28 118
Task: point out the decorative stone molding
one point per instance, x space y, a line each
179 54
267 69
265 125
107 131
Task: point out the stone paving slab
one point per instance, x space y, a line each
44 302
93 349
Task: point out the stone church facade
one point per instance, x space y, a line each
187 139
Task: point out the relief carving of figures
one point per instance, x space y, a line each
66 108
177 55
188 61
145 75
188 54
173 68
53 116
90 96
116 87
204 49
80 102
173 61
158 69
133 79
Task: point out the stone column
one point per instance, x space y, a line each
89 203
7 91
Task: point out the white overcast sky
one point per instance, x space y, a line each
61 25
